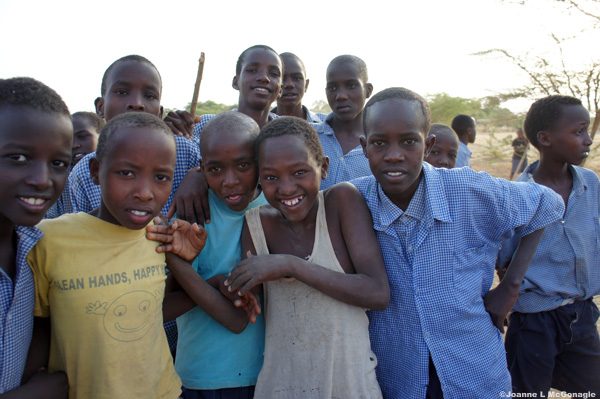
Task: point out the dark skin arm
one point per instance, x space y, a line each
500 300
191 198
364 284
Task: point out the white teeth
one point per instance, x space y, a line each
261 90
138 213
394 174
33 201
291 202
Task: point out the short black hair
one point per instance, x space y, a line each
93 118
229 121
461 123
439 129
399 93
294 56
351 59
131 57
544 113
32 93
240 61
128 119
292 126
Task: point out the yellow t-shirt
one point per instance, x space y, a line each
102 286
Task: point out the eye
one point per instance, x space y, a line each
120 310
163 178
214 170
270 178
434 152
352 85
143 306
410 141
378 143
331 88
121 92
19 158
243 165
151 96
299 173
125 173
60 164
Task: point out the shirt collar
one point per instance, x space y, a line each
579 184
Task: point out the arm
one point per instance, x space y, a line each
367 287
191 198
500 300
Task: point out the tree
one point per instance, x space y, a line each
321 107
210 107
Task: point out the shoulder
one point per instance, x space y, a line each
365 185
63 222
587 175
342 192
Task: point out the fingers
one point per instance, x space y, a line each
180 123
171 211
164 248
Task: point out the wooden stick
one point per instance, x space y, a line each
197 85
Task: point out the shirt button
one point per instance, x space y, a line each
562 222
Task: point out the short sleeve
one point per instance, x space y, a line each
77 186
36 260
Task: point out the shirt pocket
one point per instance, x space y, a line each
468 273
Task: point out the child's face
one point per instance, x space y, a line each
443 152
346 91
131 86
135 176
35 154
569 140
395 147
289 176
259 81
294 82
85 138
230 169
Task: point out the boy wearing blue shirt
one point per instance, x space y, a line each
464 126
439 232
35 153
552 338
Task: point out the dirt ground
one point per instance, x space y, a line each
492 153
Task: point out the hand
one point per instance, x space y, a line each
181 123
498 303
191 198
180 238
256 270
249 302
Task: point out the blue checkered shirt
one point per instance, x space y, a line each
62 204
311 117
566 265
342 167
439 256
16 312
463 157
204 119
85 195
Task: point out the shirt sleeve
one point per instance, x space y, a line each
36 260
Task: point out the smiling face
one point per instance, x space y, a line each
130 86
294 82
229 166
35 153
395 147
130 316
290 176
346 91
259 80
135 176
569 140
85 137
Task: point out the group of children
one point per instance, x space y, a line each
337 256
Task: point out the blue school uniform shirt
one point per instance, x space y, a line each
566 264
62 204
311 117
439 256
342 167
209 356
16 312
463 157
85 196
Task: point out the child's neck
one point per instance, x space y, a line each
291 110
261 117
464 140
347 133
555 175
8 243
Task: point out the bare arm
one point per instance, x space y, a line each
367 287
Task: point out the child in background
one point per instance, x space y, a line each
552 338
444 149
218 356
519 145
294 85
465 128
439 231
347 89
318 262
35 152
101 282
86 129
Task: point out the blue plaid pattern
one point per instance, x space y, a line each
311 117
439 256
565 266
16 312
62 204
463 158
342 167
85 195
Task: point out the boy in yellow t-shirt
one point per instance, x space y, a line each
101 282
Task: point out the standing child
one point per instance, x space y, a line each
552 338
35 153
439 232
101 282
347 90
445 147
465 128
317 259
519 145
218 354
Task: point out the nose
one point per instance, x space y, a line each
288 83
393 154
286 186
136 102
263 75
39 176
230 179
143 191
444 162
341 95
588 139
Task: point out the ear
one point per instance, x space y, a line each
368 90
234 83
324 167
95 170
307 81
429 142
99 104
544 138
363 144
